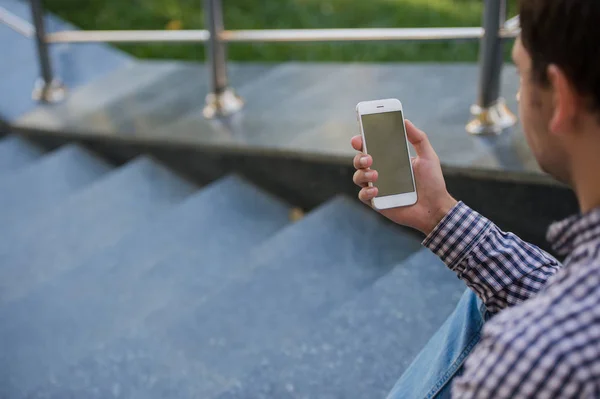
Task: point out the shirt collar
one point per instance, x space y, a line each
566 235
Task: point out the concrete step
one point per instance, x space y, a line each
289 283
84 310
124 82
46 182
285 83
213 326
138 91
16 152
300 132
294 280
364 347
87 222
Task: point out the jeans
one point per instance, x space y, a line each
431 373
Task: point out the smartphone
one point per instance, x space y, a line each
384 138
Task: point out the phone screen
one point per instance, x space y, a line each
385 136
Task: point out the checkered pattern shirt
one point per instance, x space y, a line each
544 341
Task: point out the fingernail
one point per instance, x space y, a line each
364 161
369 175
371 191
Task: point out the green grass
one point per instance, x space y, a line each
287 14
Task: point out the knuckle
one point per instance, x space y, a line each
364 195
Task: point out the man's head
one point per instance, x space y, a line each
558 58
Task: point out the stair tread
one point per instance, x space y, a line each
88 99
85 223
93 304
46 182
367 344
128 368
298 276
295 279
16 152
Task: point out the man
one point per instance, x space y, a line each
544 337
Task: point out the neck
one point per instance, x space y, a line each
588 199
584 173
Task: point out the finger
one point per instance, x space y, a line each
367 194
357 143
362 161
419 140
363 177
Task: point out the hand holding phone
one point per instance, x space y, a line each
433 201
384 138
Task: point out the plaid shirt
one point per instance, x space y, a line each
546 341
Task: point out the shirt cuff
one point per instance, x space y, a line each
456 235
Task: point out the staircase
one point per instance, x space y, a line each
132 282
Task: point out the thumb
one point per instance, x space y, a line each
419 140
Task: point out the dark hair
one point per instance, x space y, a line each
565 33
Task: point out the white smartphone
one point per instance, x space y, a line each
384 138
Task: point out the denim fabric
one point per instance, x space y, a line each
431 372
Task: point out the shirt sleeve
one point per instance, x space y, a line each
499 267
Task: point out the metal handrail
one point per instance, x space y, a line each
128 36
16 23
256 35
267 35
47 88
510 29
490 113
372 34
280 35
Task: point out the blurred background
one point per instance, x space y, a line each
289 14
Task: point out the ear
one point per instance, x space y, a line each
565 101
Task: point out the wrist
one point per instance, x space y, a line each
440 211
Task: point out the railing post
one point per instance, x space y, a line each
490 113
47 88
221 100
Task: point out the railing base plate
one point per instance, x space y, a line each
50 93
491 120
223 104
